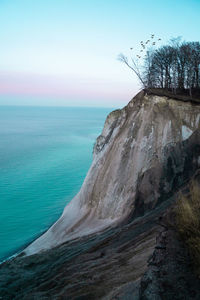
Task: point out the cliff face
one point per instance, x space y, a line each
113 241
141 157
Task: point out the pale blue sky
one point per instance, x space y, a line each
65 52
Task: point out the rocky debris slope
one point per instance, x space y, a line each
141 155
171 272
89 268
110 242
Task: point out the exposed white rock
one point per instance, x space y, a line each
186 132
132 142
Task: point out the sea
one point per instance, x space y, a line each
45 153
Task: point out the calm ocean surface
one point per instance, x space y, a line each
45 153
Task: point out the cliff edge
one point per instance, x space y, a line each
139 158
113 240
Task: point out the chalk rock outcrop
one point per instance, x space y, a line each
146 150
117 238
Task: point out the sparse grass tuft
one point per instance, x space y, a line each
188 222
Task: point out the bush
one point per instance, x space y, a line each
188 222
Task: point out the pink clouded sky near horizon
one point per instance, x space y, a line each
62 88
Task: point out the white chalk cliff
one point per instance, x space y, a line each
134 165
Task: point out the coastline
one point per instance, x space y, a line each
21 248
53 161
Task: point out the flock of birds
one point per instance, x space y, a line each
143 45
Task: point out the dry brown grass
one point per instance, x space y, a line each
188 222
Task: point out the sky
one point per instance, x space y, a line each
64 52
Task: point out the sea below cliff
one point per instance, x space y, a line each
45 153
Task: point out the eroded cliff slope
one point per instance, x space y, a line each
138 160
112 232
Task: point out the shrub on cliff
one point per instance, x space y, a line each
188 222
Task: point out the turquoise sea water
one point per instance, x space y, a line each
45 153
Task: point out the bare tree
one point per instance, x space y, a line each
134 63
174 67
133 66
